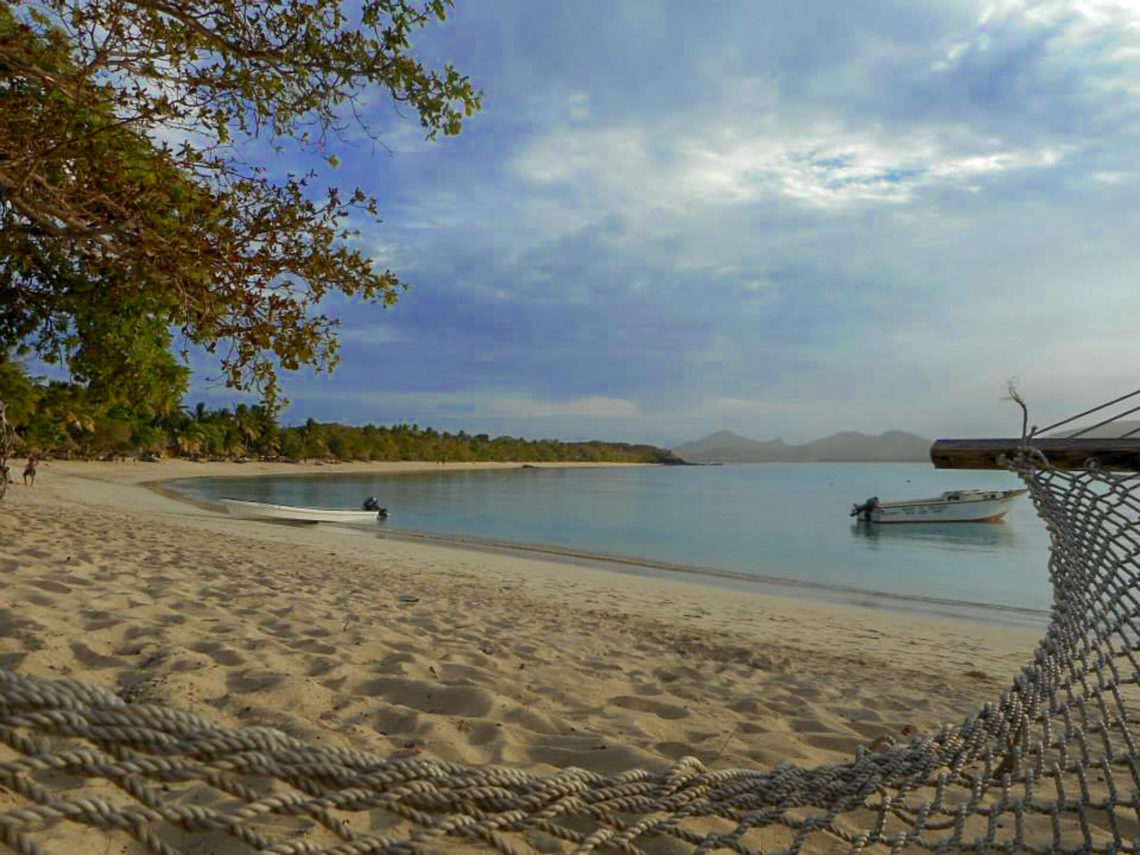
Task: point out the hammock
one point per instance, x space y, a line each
1050 766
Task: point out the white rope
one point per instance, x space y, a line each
1049 766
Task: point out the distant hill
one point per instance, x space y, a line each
728 447
848 446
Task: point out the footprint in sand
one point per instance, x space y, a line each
250 682
468 701
50 585
96 621
396 663
530 720
220 653
311 645
93 659
833 742
676 750
657 708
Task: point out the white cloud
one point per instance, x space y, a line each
1112 177
565 155
828 167
405 136
594 407
951 57
1067 26
950 228
475 404
372 334
578 106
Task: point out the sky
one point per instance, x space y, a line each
781 219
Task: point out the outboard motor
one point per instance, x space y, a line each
863 511
371 504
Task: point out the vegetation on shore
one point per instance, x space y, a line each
142 215
71 420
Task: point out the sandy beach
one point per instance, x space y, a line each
405 648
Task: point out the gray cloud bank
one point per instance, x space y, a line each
780 219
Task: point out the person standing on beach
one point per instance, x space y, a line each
30 471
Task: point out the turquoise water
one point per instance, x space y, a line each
769 521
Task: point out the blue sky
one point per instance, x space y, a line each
780 219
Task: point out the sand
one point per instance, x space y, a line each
407 648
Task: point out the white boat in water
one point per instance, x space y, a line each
290 513
952 506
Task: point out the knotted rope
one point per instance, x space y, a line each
1049 766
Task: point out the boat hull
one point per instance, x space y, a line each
290 513
941 510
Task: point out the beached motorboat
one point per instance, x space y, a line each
951 506
291 513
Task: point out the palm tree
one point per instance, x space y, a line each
17 390
246 423
191 440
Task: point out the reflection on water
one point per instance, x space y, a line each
966 535
785 521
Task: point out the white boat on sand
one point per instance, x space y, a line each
290 513
952 506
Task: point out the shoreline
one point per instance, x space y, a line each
963 610
140 478
811 591
131 487
416 649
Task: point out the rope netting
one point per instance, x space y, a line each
1050 766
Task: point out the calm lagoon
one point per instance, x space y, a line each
787 524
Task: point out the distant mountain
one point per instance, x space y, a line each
848 446
728 447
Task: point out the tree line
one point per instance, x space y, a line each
63 419
140 217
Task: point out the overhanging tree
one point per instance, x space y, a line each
104 218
